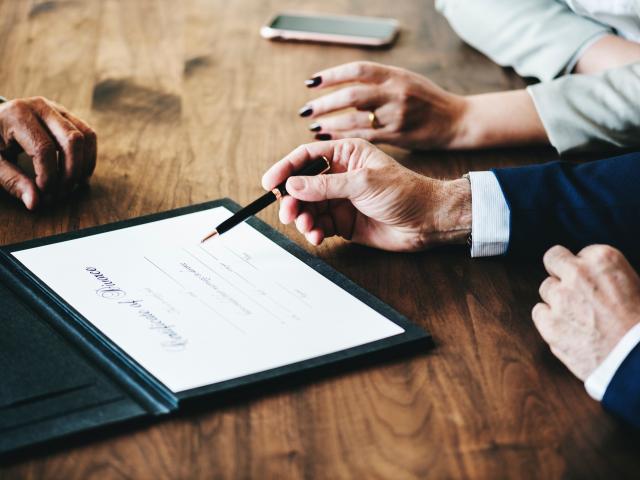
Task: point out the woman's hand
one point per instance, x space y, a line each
370 198
61 146
412 112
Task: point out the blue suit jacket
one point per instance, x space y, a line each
576 205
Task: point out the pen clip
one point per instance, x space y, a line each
328 167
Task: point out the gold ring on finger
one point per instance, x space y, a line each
373 120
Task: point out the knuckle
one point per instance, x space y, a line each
365 177
361 142
351 95
403 94
574 273
301 151
91 137
12 183
44 148
603 253
552 253
360 68
17 106
536 311
322 184
367 135
74 138
562 293
544 286
355 120
402 114
38 101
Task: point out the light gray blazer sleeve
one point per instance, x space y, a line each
537 38
591 112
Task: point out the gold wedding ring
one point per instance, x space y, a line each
373 120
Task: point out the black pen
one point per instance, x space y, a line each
316 167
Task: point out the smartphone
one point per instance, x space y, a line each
345 29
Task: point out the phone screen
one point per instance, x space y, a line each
336 26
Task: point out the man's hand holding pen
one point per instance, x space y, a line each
371 199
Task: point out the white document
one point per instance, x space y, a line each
195 314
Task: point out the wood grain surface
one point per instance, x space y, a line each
190 104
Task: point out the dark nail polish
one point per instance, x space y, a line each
305 111
313 82
323 136
315 127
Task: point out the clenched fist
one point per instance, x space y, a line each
589 301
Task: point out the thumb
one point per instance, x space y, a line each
322 187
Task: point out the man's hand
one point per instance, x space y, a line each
370 198
62 147
590 301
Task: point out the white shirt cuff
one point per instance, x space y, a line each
597 383
489 216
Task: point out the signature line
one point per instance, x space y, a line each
164 272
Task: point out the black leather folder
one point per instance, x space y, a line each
59 375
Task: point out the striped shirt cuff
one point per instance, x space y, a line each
489 216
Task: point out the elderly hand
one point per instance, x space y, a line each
370 198
590 301
61 146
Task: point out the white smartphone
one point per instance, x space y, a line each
345 29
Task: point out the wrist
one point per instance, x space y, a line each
487 120
465 129
451 214
607 52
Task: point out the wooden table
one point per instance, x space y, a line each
190 104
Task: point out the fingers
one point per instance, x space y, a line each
90 141
295 160
559 261
346 121
304 222
368 134
70 140
540 313
542 319
289 209
343 155
14 181
366 72
547 288
350 125
315 223
315 236
37 143
362 97
325 187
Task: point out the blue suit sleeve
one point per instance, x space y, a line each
622 397
574 205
